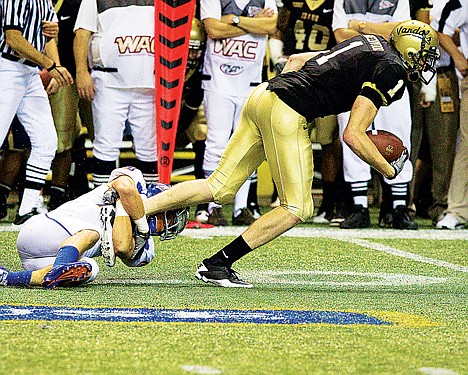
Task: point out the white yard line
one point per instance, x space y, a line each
314 232
336 233
406 254
302 277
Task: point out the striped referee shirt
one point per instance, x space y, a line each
26 16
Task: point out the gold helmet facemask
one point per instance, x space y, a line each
196 48
417 44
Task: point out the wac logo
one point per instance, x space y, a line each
242 49
231 70
135 44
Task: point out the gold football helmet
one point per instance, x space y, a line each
196 47
417 44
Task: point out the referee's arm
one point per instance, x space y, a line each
16 41
14 38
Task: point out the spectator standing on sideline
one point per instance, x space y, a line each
361 74
435 112
64 104
119 42
351 18
233 64
455 16
24 47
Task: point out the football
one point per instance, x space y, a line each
388 144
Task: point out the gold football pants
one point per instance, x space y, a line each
271 130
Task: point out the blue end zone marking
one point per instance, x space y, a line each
8 312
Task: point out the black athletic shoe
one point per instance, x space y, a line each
217 218
402 219
385 219
244 218
219 275
358 219
21 219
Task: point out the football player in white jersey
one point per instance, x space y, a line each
114 40
232 67
57 248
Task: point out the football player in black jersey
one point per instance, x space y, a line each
306 26
361 74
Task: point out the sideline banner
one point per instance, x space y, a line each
172 24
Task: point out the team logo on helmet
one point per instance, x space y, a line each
417 44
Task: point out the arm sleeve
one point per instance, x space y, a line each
340 19
387 85
87 16
210 9
402 12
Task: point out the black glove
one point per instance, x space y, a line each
399 163
140 242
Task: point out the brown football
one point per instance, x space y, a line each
388 144
45 77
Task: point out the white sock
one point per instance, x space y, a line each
29 201
360 199
240 200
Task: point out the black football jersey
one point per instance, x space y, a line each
311 21
330 82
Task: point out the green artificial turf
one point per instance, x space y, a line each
425 305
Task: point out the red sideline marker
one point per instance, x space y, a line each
172 24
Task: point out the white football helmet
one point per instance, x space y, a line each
417 44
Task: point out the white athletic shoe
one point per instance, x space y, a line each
320 219
451 222
107 246
202 216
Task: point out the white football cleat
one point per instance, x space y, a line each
107 246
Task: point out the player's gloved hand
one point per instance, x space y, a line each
110 196
399 163
140 242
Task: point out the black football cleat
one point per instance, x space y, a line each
358 219
402 219
21 219
220 275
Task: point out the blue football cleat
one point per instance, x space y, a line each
71 274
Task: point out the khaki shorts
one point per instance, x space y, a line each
65 105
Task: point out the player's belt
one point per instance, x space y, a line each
19 59
106 70
207 77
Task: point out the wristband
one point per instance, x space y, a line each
54 65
